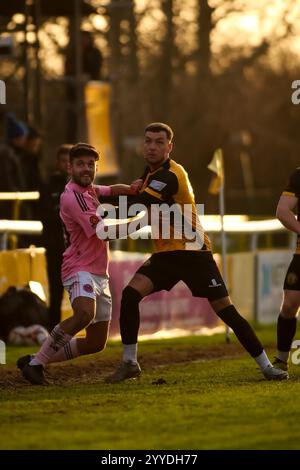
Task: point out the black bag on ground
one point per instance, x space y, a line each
21 307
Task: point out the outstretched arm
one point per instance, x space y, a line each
110 194
122 189
285 213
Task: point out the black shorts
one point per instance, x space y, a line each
197 269
292 278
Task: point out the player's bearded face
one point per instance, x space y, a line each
83 170
156 148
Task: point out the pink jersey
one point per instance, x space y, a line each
85 251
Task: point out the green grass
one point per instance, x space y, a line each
207 404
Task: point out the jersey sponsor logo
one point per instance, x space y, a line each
88 288
157 185
94 221
292 278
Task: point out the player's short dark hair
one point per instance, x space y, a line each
63 149
83 150
160 126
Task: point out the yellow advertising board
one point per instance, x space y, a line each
99 132
14 269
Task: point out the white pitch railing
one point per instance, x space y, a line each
211 223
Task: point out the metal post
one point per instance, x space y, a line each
4 241
78 71
224 246
37 96
26 63
254 242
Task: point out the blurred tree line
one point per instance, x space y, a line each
165 64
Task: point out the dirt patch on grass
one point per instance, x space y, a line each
93 369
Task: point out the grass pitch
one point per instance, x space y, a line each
195 393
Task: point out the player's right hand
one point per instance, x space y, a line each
136 185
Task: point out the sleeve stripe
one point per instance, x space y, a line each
153 193
83 201
80 202
288 193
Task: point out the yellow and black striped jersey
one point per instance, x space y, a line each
169 187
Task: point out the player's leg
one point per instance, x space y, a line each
139 287
286 327
96 333
156 274
211 285
247 337
94 341
287 319
84 307
69 351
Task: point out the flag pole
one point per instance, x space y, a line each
224 246
217 186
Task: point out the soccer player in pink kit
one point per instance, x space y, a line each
84 269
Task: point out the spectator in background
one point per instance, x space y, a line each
31 160
25 142
91 58
12 178
16 134
52 231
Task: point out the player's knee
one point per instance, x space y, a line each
220 304
84 318
130 299
289 309
95 347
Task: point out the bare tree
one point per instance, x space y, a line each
166 60
205 28
115 68
134 72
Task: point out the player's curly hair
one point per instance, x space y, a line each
83 150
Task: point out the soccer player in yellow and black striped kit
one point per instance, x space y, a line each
176 258
287 319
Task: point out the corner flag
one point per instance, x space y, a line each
217 187
217 166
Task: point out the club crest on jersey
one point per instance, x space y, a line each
88 288
94 221
292 278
